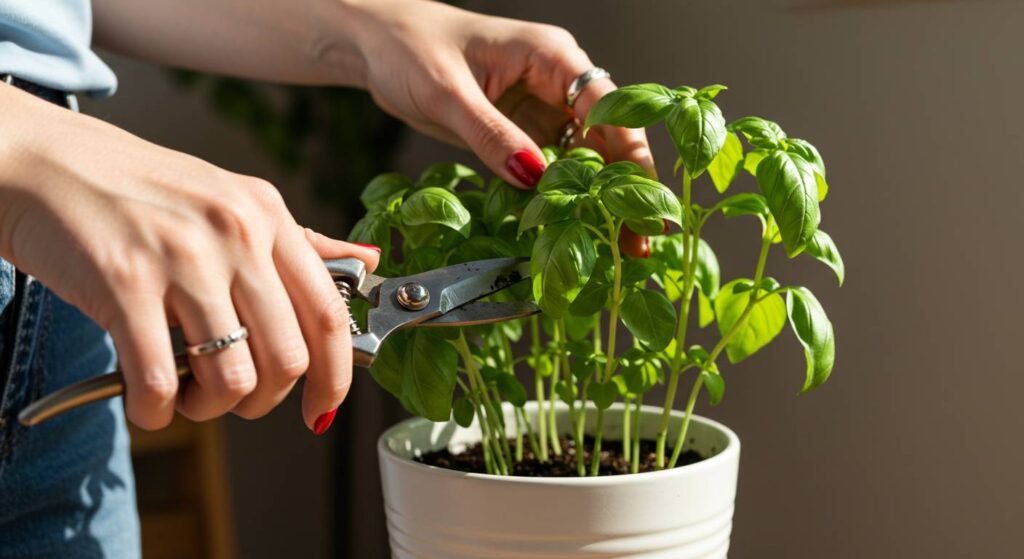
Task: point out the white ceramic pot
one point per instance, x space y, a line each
435 513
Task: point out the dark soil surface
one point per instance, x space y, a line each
612 461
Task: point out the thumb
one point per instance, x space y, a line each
327 247
496 140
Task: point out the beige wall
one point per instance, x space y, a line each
909 451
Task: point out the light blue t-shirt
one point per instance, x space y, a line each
48 42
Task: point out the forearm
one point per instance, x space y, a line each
300 41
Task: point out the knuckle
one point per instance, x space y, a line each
156 387
231 220
267 196
238 379
552 35
334 318
128 270
293 359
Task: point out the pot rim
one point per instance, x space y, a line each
728 453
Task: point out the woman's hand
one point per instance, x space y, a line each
138 236
495 85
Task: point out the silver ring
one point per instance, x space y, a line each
219 344
568 131
581 82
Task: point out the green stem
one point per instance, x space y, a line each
556 445
635 466
685 425
538 383
498 435
666 415
492 451
520 412
595 455
580 426
519 437
613 324
626 446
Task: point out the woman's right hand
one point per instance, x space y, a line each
139 237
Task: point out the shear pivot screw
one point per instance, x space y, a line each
413 296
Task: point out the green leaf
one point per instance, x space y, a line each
638 271
374 229
710 91
618 169
382 188
698 130
428 376
727 164
422 259
641 377
765 321
591 299
791 192
715 386
707 272
566 174
481 248
746 203
448 176
511 390
809 153
632 106
814 330
824 249
566 391
634 197
562 260
753 159
759 132
388 367
502 199
548 207
435 205
649 227
463 412
650 317
603 394
551 154
584 155
705 310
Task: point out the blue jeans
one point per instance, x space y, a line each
66 485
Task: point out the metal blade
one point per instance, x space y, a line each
482 312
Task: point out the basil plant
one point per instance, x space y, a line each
595 301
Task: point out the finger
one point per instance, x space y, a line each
220 379
633 244
275 340
329 248
324 319
541 121
146 357
496 140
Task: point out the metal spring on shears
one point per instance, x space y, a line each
346 293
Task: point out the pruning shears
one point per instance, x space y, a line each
447 296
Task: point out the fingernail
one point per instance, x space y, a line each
371 247
646 248
664 230
526 167
323 423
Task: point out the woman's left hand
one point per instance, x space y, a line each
497 86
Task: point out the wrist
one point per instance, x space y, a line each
344 35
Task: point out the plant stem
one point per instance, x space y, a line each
491 416
635 466
556 445
492 452
666 415
613 324
519 437
538 383
520 412
626 446
580 426
762 259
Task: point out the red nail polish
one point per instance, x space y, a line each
323 422
646 248
526 167
371 247
664 230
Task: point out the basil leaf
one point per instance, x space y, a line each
375 229
566 391
715 386
382 188
650 317
511 390
618 169
707 272
649 227
698 130
592 298
502 199
463 412
638 271
759 132
765 321
641 377
428 377
603 394
388 366
422 259
566 174
724 168
481 248
705 310
753 159
448 176
746 203
435 205
824 249
548 207
814 330
562 260
804 149
710 91
551 154
584 155
632 106
791 192
633 197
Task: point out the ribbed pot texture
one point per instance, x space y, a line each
434 513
